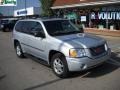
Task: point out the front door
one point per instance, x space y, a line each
37 44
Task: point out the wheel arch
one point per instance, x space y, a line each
15 42
53 52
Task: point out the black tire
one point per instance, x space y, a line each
19 51
5 29
64 70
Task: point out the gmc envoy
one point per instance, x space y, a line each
59 43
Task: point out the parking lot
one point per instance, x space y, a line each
29 74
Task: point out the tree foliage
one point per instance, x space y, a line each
46 7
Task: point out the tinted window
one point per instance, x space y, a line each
18 26
36 26
28 26
13 21
22 26
4 21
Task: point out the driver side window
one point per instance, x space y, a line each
35 27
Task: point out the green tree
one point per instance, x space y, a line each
46 7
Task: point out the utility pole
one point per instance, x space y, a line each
13 11
25 9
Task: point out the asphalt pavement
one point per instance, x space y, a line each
29 74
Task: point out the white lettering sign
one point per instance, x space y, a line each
107 15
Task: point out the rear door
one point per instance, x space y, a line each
22 34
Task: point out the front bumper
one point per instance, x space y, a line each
80 64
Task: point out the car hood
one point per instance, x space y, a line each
82 40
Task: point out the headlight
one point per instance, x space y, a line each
74 53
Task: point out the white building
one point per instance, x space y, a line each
23 8
28 11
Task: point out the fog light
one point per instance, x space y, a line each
83 66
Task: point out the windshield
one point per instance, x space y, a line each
12 21
4 21
8 21
60 27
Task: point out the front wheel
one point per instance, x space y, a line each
59 65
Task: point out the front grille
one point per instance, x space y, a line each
95 51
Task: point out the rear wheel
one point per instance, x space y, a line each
5 29
59 65
19 51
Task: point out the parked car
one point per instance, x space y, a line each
7 24
59 43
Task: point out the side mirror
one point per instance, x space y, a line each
37 33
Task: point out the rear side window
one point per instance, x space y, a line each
27 26
24 26
18 26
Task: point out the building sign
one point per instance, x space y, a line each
83 18
22 12
8 2
106 15
28 11
93 15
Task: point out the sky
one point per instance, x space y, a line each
8 10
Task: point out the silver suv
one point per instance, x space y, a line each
59 43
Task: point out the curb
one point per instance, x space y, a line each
104 32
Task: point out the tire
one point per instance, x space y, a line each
59 65
5 29
19 51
